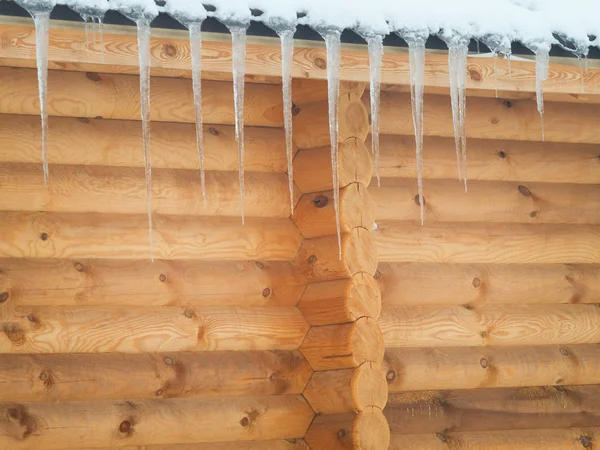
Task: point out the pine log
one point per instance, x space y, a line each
50 426
488 201
491 160
115 96
124 236
413 369
341 301
343 346
319 258
347 390
61 282
460 284
284 444
97 142
488 243
114 376
467 325
367 430
98 329
314 214
312 167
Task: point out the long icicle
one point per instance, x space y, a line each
196 50
375 48
462 107
453 73
287 56
541 74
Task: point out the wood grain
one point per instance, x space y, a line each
114 376
475 242
105 282
449 326
73 236
284 444
118 143
50 426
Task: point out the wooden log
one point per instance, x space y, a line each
366 430
460 284
284 444
493 409
319 258
311 124
343 346
115 96
123 236
309 90
488 201
490 159
493 119
449 326
314 214
60 282
341 301
98 329
49 426
97 142
548 439
114 376
122 190
413 369
312 167
347 390
488 243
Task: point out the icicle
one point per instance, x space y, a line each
580 62
497 44
334 47
541 74
508 63
495 72
375 48
238 42
86 25
101 35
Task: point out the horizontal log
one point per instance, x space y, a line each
87 329
319 259
72 235
341 301
549 439
314 214
348 390
122 190
494 409
170 56
413 369
488 243
449 326
49 426
312 167
366 430
490 160
488 201
114 376
116 96
344 346
105 282
459 284
96 142
284 444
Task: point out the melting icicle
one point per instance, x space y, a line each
86 25
498 45
496 73
334 55
541 74
375 48
580 62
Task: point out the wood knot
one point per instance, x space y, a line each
169 50
502 154
44 236
377 275
560 381
3 297
168 361
162 277
259 265
295 110
83 119
390 376
15 334
533 214
483 334
320 201
79 267
476 282
273 377
484 363
125 427
467 306
92 76
586 442
266 292
507 103
321 63
442 437
341 434
245 422
31 317
495 121
474 75
213 131
524 190
563 351
159 392
418 202
312 259
189 314
98 117
43 376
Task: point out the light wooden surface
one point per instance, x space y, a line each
283 444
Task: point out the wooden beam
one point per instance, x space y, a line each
494 409
475 242
488 201
124 236
116 96
284 444
460 284
117 143
114 376
102 282
50 426
170 55
87 329
413 369
549 439
491 160
486 325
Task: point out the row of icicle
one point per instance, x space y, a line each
416 39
